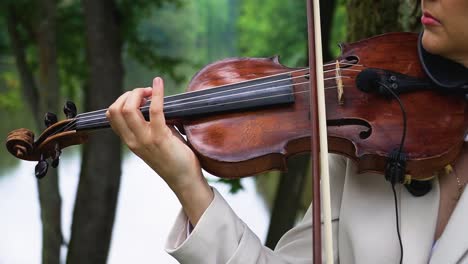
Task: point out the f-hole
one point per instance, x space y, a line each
364 134
349 61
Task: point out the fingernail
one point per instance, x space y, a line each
157 81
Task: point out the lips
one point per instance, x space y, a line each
428 20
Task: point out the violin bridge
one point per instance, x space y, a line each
339 83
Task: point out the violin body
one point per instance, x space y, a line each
239 144
366 127
250 142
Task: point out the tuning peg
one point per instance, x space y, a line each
55 162
56 159
50 119
41 168
69 109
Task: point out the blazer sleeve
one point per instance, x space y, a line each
222 237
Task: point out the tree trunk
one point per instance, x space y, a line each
368 18
42 98
288 199
29 89
96 200
49 195
290 188
327 9
413 21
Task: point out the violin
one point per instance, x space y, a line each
245 116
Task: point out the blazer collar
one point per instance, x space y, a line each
452 245
418 223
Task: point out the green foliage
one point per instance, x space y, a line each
235 185
3 37
141 45
273 27
217 37
13 113
384 18
183 33
339 29
10 99
71 51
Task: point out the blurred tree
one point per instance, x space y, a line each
96 198
271 27
39 29
410 16
32 28
109 25
369 18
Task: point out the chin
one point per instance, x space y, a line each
435 42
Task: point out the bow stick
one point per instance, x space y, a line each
319 142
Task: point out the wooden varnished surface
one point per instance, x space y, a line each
241 144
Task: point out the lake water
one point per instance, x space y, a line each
145 212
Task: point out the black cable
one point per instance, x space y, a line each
397 223
403 112
400 149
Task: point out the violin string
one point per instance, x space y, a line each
100 112
264 77
91 118
190 99
245 92
173 103
103 120
253 86
341 63
216 87
144 108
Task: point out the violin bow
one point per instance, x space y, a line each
319 143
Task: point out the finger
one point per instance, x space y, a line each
157 120
116 119
144 101
132 113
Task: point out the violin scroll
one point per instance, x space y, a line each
58 135
20 143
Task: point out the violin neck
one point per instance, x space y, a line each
268 91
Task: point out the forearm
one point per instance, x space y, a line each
195 198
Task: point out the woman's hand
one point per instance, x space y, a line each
161 147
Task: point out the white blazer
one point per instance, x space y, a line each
364 229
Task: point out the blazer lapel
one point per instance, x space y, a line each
452 245
418 222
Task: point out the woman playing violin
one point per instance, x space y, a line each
433 227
